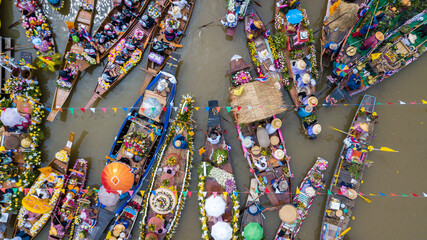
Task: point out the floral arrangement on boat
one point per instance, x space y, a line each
241 77
257 57
231 7
24 88
86 6
182 121
72 57
153 11
136 144
220 156
83 221
157 58
133 60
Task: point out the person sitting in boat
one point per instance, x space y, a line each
304 80
67 74
354 82
170 34
180 3
362 31
313 130
6 158
160 46
162 86
90 50
130 45
117 18
122 58
146 21
372 41
331 48
175 12
101 38
109 76
75 35
215 135
231 20
280 185
256 25
305 111
109 31
179 142
130 3
69 200
171 169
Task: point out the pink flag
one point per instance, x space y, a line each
189 194
104 109
214 194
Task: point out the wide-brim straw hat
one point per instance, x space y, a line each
279 154
379 36
119 227
339 213
283 185
333 46
317 129
308 108
178 143
301 65
256 150
274 140
11 142
351 193
276 123
176 10
312 101
364 127
351 51
306 78
257 24
231 18
288 213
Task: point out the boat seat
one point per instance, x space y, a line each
85 18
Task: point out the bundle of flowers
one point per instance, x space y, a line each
222 177
90 198
220 156
241 77
133 60
183 121
64 84
277 63
153 11
26 88
116 50
136 143
231 7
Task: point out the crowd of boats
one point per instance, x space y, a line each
365 41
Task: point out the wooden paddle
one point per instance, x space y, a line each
210 23
257 3
14 24
330 22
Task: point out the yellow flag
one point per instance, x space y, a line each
70 25
375 56
197 108
2 148
298 191
424 101
142 193
115 110
225 195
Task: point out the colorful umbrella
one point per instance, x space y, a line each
117 177
342 70
253 231
294 16
222 231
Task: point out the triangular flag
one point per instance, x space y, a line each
267 191
153 192
249 107
413 103
50 191
83 110
225 194
174 193
63 191
197 108
104 109
26 191
131 193
142 192
382 194
175 108
256 190
189 194
207 109
228 109
165 109
3 190
92 109
142 109
15 190
424 101
329 192
404 195
238 108
425 194
84 190
401 102
48 109
237 193
246 192
361 194
60 109
371 194
71 110
115 110
186 108
218 109
125 109
119 191
346 104
214 194
378 103
185 193
415 195
26 110
389 103
392 194
204 194
375 56
96 190
298 191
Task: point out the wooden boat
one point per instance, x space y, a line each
84 19
56 4
66 206
136 10
38 204
298 53
216 181
302 201
123 225
170 177
135 31
161 48
261 47
142 121
85 216
340 18
253 211
396 52
235 11
42 39
349 171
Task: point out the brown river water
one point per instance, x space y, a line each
205 59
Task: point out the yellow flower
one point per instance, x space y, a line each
374 114
362 109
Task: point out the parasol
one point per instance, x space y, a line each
10 117
294 16
342 70
222 231
108 199
152 107
215 206
117 177
253 231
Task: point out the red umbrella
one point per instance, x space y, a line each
117 177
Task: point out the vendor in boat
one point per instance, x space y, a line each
313 130
304 80
331 48
280 185
162 86
110 75
170 34
179 142
101 38
109 31
180 3
175 12
256 25
67 74
369 26
354 82
130 3
122 58
130 45
90 50
215 135
146 21
372 41
75 35
231 20
305 111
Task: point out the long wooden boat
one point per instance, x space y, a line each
253 212
124 223
349 171
56 4
340 18
380 19
396 52
38 30
298 53
86 215
302 201
84 20
167 191
142 37
66 206
146 125
38 204
216 182
236 11
161 48
107 41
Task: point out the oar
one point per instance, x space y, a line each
14 24
330 22
336 129
257 3
209 23
382 149
343 233
367 32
